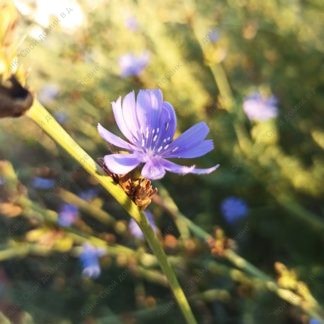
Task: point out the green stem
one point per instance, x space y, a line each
91 209
165 265
45 120
222 85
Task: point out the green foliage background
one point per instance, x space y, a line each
276 166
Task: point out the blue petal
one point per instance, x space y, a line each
190 138
168 121
129 115
118 114
113 139
171 119
192 152
148 108
153 170
176 168
121 163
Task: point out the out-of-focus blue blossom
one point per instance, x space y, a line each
89 259
67 215
132 65
260 108
213 35
88 194
42 183
149 124
48 93
2 181
135 230
131 23
60 116
234 209
314 321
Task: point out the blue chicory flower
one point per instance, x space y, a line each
234 209
89 259
48 93
88 194
132 65
213 35
260 108
314 321
149 124
131 23
42 183
67 215
60 116
136 231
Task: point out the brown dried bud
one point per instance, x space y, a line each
220 243
139 189
15 100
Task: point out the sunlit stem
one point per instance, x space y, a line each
45 120
223 85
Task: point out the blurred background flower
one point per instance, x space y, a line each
136 231
132 23
133 65
67 215
48 93
89 259
260 108
234 209
42 183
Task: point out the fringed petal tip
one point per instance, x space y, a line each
205 171
180 169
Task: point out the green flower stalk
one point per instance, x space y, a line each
45 120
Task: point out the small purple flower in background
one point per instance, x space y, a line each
89 259
88 194
132 65
131 23
48 93
314 321
67 215
135 230
259 108
60 116
213 35
42 183
149 124
234 209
